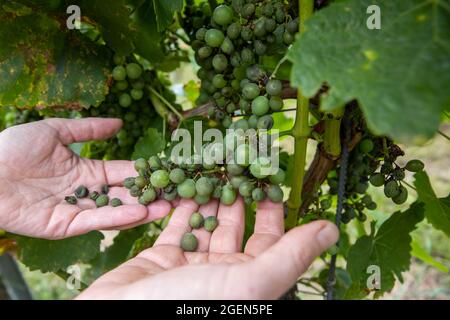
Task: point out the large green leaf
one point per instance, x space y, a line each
43 64
389 249
149 145
437 210
400 74
420 253
55 255
165 10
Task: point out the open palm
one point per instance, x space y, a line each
37 171
268 266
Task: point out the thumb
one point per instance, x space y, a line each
87 129
275 271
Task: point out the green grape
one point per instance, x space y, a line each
177 176
248 10
204 187
246 33
234 169
223 15
276 103
138 84
241 124
160 179
231 107
189 242
170 195
414 165
377 179
366 199
270 25
140 182
366 146
196 220
243 155
227 46
391 189
256 168
234 31
228 196
147 197
71 200
402 196
121 85
220 62
260 29
288 38
236 181
129 182
247 56
118 59
125 100
214 38
154 162
265 122
217 192
253 121
219 81
274 87
260 106
371 206
199 199
254 73
204 52
116 202
280 15
200 34
250 91
258 194
279 177
135 191
134 71
136 94
141 164
274 193
119 73
361 187
102 201
94 195
325 204
105 189
398 174
268 10
245 189
210 223
81 192
292 26
187 189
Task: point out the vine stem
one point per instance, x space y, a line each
301 133
167 103
332 136
444 135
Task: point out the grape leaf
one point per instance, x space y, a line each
54 255
149 145
437 210
389 249
43 65
418 252
165 9
399 74
117 252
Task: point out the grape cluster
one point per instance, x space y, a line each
165 179
228 47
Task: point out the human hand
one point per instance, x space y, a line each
37 171
269 265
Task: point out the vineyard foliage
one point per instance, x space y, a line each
363 89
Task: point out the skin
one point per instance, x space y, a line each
32 203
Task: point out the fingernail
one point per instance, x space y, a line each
328 235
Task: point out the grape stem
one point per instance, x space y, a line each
274 73
301 133
167 103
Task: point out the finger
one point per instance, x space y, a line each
155 211
269 227
203 236
290 257
117 171
105 218
228 236
87 129
178 224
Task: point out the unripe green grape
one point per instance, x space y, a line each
189 242
121 85
402 196
71 200
81 192
274 193
235 85
274 87
134 70
254 73
227 121
268 10
253 121
223 15
235 59
366 146
361 187
246 189
270 25
200 34
210 223
234 31
186 189
245 106
137 94
116 202
147 197
138 84
159 179
241 124
234 169
391 189
228 196
204 187
102 201
200 200
141 163
236 181
366 199
227 46
260 29
414 165
279 177
154 162
243 155
219 81
325 204
94 195
398 174
276 103
377 179
170 196
214 38
220 62
246 33
226 92
371 206
250 91
135 191
247 56
119 59
204 52
260 106
177 175
129 182
386 168
196 220
217 192
248 10
119 73
125 100
292 26
256 168
288 38
231 107
280 15
265 122
258 194
140 182
260 48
